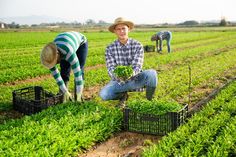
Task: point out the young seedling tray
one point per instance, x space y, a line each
154 124
149 48
34 99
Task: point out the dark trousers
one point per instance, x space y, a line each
81 53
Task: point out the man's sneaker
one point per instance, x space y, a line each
122 100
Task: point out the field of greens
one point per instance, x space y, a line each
69 129
211 132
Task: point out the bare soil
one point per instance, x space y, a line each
123 144
10 114
43 77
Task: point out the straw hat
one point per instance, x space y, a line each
49 55
154 37
121 20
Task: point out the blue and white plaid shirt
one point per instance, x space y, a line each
131 53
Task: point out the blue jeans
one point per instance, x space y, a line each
113 90
168 39
81 53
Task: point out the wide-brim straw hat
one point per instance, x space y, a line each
121 20
49 55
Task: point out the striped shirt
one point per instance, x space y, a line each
131 53
68 43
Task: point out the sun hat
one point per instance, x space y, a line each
121 20
49 55
154 37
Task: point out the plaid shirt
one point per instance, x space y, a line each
129 54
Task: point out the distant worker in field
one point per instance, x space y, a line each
126 52
70 49
159 37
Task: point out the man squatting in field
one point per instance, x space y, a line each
70 49
160 36
126 51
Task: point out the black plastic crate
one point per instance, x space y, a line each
154 124
149 48
34 99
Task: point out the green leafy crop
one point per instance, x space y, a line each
124 72
155 107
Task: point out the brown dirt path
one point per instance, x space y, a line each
123 144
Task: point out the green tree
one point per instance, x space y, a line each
223 22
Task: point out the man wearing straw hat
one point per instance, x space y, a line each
127 52
70 49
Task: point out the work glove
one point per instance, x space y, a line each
67 97
78 97
122 81
125 79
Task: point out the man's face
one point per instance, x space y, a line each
122 31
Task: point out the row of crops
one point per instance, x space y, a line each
69 129
202 54
211 132
64 130
24 60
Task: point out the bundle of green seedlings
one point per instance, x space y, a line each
152 116
123 72
155 107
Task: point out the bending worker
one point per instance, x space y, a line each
70 49
162 35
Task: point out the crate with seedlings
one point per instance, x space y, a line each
149 48
33 99
154 117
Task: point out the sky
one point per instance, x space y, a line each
138 11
